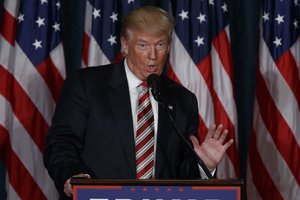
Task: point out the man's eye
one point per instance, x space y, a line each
161 45
142 46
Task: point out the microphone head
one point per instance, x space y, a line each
153 81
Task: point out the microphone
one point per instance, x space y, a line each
154 83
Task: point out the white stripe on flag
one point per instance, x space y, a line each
295 50
55 56
96 57
10 191
223 87
251 189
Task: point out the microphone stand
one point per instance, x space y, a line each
178 132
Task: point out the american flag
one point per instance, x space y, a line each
101 42
32 71
274 155
200 59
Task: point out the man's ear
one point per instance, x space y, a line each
124 46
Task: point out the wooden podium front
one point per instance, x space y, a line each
99 189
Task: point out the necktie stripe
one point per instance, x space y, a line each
145 164
147 145
146 172
146 135
145 126
145 111
145 119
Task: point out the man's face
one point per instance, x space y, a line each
145 53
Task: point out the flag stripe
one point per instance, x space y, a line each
16 170
23 107
97 57
295 50
85 48
8 27
10 191
87 34
287 66
55 81
262 178
222 46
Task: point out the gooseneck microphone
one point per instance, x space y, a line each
154 83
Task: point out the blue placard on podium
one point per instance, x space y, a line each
113 192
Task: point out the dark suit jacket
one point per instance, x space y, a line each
92 129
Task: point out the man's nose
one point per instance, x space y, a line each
152 52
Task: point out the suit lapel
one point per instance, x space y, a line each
120 104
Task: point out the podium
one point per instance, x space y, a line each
117 189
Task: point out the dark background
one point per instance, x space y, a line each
244 22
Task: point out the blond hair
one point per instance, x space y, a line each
150 19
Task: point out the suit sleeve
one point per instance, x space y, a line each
65 137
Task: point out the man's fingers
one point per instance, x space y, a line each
217 132
194 140
68 188
228 144
223 136
211 131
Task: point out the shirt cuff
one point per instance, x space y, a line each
203 174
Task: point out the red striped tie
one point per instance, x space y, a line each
144 143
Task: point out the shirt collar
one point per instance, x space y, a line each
133 81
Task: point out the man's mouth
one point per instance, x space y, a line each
152 67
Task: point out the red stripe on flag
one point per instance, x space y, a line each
85 48
19 177
221 116
8 27
221 44
202 129
118 58
171 74
55 81
261 178
205 68
24 108
288 68
276 125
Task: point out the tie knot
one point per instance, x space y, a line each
144 85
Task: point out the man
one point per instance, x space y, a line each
96 127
